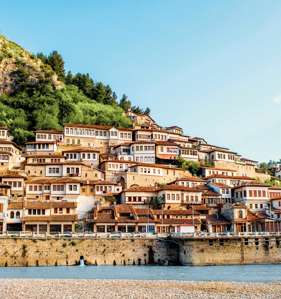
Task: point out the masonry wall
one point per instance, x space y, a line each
230 251
51 252
61 252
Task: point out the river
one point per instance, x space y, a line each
238 273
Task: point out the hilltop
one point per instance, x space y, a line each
37 93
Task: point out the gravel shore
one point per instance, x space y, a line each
109 289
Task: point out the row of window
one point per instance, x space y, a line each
275 194
4 157
126 135
257 206
224 156
91 132
187 198
188 184
53 170
72 170
172 150
39 212
43 160
251 193
226 173
54 188
13 184
7 149
147 136
49 136
189 152
150 159
39 146
141 148
75 156
69 170
104 188
39 188
117 166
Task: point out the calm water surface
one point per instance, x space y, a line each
255 273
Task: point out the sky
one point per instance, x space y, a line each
211 67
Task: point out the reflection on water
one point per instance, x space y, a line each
207 273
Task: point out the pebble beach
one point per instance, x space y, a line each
109 289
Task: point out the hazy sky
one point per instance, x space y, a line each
211 67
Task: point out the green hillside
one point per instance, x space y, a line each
36 93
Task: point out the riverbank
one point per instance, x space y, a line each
108 289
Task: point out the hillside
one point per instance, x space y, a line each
32 97
15 62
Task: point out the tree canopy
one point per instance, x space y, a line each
37 103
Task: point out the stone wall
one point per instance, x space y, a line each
222 251
212 251
51 252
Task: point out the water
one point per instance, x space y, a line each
247 273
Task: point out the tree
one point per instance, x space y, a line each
147 111
68 78
192 166
56 62
264 167
84 82
157 202
21 136
42 57
125 103
137 110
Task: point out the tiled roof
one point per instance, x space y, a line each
217 219
220 185
118 161
41 155
189 179
15 205
36 204
176 212
179 221
10 143
11 174
80 150
52 180
141 189
178 188
218 168
50 131
157 166
251 185
101 182
234 177
42 142
101 127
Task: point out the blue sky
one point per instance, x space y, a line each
211 67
